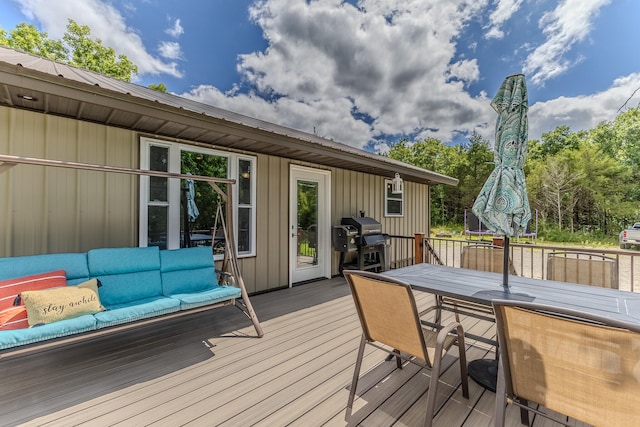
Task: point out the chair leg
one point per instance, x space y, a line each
398 359
432 393
501 401
356 374
462 358
524 414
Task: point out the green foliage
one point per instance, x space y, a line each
76 48
583 184
27 38
583 237
92 55
470 163
206 198
160 87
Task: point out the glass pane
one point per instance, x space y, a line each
244 182
307 223
244 230
157 226
391 194
158 161
394 207
199 201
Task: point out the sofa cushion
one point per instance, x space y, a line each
10 289
124 313
210 296
187 270
126 274
74 265
62 328
66 302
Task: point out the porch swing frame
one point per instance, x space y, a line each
230 264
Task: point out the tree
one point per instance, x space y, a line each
76 48
27 38
92 55
160 87
560 187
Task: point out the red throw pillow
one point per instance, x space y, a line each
14 318
10 289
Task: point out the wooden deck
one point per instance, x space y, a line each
208 369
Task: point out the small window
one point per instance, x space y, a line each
393 202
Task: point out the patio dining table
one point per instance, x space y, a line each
483 287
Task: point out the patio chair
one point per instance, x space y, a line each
583 268
485 258
390 322
579 365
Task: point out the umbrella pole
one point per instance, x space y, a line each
505 265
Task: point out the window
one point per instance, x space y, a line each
182 213
393 203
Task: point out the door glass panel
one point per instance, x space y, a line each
198 200
244 230
244 182
307 223
158 205
157 226
158 161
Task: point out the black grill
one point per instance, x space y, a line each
364 236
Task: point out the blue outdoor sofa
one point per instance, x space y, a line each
136 284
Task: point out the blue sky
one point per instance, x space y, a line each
369 72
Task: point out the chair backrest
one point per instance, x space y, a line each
485 258
583 268
583 366
387 311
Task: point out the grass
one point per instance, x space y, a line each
548 235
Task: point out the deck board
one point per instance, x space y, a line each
209 369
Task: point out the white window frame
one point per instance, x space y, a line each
388 183
173 189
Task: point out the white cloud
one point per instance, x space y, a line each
329 64
568 24
170 50
106 23
386 67
586 111
176 30
502 13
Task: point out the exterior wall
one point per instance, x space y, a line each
50 210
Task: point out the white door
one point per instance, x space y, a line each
309 224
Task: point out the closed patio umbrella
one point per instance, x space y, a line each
503 205
192 208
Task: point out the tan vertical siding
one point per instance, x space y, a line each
51 210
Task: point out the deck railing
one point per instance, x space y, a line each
529 259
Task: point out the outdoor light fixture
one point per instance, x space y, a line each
397 185
28 97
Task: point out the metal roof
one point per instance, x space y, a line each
33 83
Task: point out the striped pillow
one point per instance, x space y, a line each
12 317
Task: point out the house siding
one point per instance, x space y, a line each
53 210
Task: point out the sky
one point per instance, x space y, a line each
371 72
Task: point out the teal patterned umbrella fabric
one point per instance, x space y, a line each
503 205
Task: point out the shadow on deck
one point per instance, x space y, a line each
209 369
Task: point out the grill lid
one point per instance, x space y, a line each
364 224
